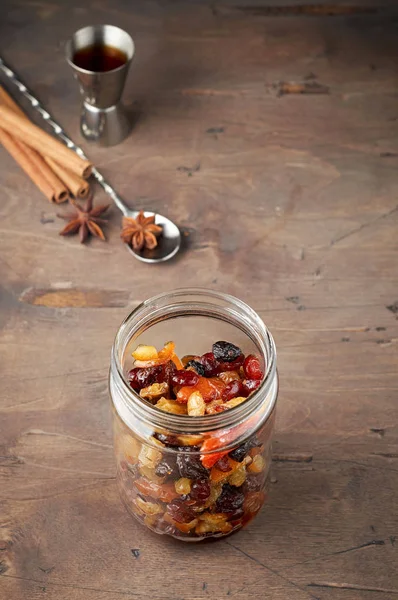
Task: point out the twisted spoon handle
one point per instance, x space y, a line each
60 133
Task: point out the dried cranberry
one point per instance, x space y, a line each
225 351
142 377
249 385
200 489
231 498
180 512
233 390
168 372
197 367
223 464
210 364
252 367
230 366
190 465
185 378
241 451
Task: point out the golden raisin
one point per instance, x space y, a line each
145 353
154 391
196 405
183 486
257 464
171 406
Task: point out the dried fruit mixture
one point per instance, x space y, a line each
190 486
196 385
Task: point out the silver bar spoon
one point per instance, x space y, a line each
170 240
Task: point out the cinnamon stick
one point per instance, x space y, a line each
22 152
17 151
6 99
38 139
77 185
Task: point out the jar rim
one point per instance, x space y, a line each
253 326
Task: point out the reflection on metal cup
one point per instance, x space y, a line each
100 57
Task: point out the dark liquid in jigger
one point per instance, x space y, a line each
99 58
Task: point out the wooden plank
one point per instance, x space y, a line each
287 199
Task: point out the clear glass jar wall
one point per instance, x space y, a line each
169 471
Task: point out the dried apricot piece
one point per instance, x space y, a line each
177 361
167 352
211 389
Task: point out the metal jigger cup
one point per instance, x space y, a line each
103 119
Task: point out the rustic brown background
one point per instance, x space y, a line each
289 201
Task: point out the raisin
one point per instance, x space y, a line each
208 361
188 357
253 483
241 451
223 464
139 378
236 514
252 367
200 489
189 465
233 389
185 378
167 466
249 385
231 366
225 351
253 502
197 367
231 499
166 439
180 512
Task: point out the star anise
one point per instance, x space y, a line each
141 232
84 220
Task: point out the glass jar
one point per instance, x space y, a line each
169 472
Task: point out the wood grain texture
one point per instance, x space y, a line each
268 131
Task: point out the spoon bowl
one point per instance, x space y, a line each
168 243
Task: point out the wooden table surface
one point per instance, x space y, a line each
287 200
